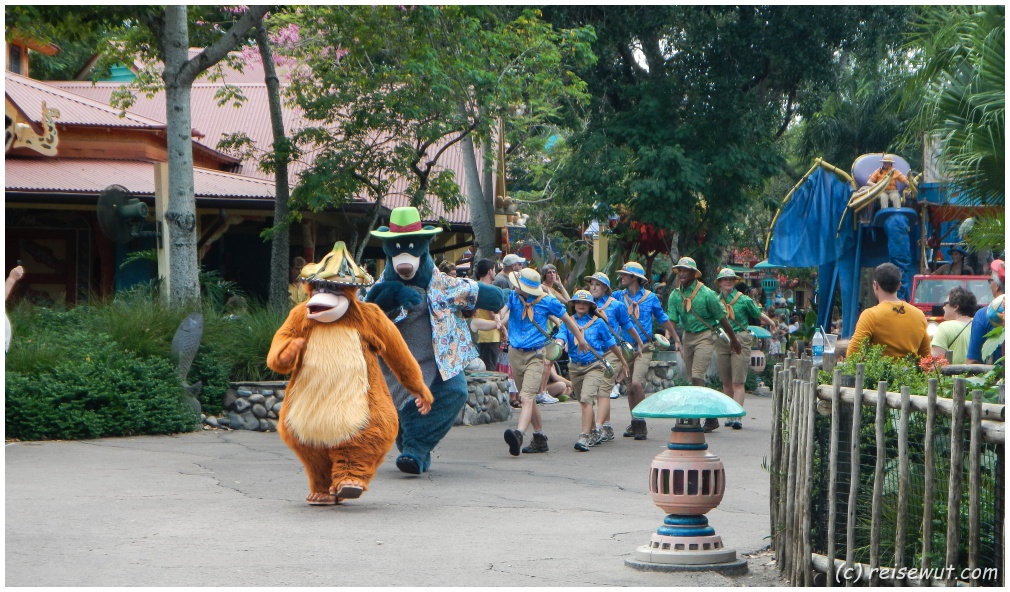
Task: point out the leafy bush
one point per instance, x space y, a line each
243 341
96 390
897 372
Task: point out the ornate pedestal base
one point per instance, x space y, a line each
686 543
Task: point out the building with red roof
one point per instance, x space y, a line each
65 144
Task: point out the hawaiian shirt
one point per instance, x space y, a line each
648 307
705 302
743 309
596 334
450 335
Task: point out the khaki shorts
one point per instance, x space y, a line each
588 382
697 353
527 371
641 368
734 366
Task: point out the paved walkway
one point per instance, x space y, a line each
226 508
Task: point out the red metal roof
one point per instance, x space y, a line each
74 109
91 176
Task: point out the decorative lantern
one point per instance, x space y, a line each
770 285
686 482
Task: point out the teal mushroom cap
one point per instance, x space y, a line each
687 402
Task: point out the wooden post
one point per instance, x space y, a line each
791 481
775 463
836 379
850 524
954 490
808 475
877 503
975 485
928 478
903 482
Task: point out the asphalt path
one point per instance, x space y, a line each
226 508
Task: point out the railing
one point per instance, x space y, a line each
842 480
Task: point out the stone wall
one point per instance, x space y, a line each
660 376
251 406
487 399
255 405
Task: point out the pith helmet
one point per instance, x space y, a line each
634 269
688 263
726 273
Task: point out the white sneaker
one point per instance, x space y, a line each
615 393
546 399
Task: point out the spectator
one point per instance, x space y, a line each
957 266
953 333
447 267
485 323
511 262
981 324
553 285
899 326
296 293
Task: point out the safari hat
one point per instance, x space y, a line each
959 249
688 263
634 269
404 222
528 280
337 269
726 273
600 277
887 158
583 296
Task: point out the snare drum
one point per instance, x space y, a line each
552 351
661 341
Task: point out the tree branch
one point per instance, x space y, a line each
220 48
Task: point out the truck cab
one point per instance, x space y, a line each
929 292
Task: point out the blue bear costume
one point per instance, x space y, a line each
424 303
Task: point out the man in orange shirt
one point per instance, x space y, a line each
893 322
889 197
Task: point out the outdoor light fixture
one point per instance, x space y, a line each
686 482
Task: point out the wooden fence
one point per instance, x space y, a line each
795 467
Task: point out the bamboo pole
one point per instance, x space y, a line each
975 485
990 411
928 477
954 489
791 484
850 523
903 481
877 502
836 379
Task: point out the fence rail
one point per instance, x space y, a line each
826 456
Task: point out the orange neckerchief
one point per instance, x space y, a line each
528 307
689 299
729 306
632 305
602 310
592 319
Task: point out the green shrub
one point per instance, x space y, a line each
243 341
96 390
214 373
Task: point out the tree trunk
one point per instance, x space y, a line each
280 242
180 217
481 213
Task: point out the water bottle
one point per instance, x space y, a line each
817 345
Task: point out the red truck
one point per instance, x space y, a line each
929 292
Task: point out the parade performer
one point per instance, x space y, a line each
615 313
337 414
425 303
740 311
592 376
643 307
529 306
698 309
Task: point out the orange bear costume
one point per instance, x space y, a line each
338 416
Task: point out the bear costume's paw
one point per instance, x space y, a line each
389 295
